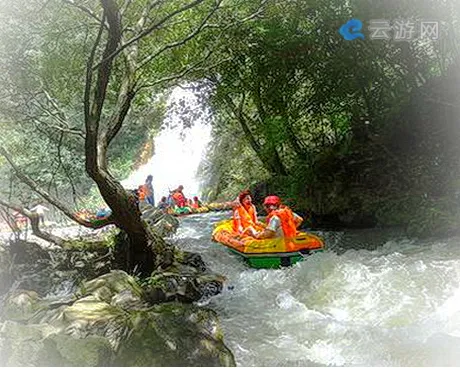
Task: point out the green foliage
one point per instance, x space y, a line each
340 127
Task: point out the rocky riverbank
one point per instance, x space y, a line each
71 307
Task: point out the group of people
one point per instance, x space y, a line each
281 221
176 197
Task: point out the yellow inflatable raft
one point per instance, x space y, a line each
267 253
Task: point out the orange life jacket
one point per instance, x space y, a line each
195 205
179 198
287 224
147 187
142 192
247 217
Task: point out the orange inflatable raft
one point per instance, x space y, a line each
267 253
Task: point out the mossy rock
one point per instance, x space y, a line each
185 283
174 334
108 323
42 345
20 305
107 286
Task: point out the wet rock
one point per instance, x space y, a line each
175 335
108 323
20 305
105 287
27 252
127 299
184 283
162 223
44 345
193 260
63 266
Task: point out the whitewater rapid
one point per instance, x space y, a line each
392 301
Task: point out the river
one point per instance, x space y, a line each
374 298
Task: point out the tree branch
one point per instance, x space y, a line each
85 10
202 26
55 202
188 69
34 219
146 32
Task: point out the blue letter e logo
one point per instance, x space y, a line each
349 30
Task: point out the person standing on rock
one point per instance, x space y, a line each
149 197
40 211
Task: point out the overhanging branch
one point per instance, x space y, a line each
54 201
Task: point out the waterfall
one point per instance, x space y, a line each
177 156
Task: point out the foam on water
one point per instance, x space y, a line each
396 304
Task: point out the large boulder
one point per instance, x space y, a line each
162 223
44 345
175 335
20 305
108 322
183 283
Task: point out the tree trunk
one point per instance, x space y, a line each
127 216
35 224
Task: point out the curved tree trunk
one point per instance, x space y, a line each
126 215
34 219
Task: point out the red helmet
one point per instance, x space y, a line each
272 200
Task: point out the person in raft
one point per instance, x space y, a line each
281 221
245 215
179 197
163 204
196 202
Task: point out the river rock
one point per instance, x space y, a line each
27 252
44 345
183 283
162 223
20 305
106 287
175 334
108 323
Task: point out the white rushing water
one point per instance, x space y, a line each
398 304
389 301
176 158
